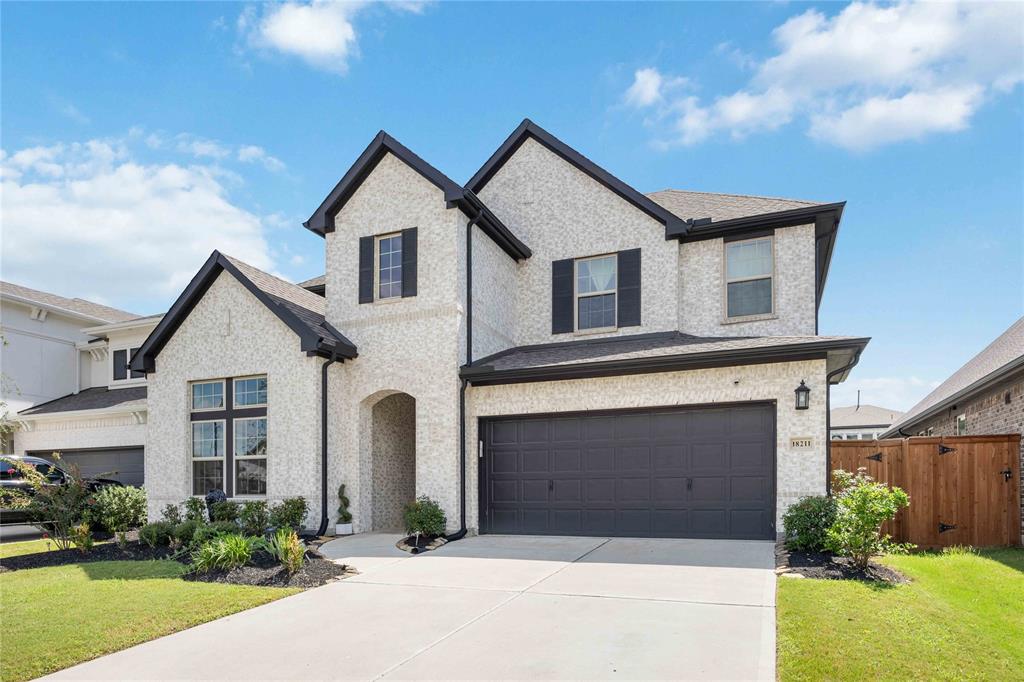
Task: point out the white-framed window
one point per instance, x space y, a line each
207 456
388 270
119 370
867 436
250 391
749 275
596 292
961 424
207 395
250 455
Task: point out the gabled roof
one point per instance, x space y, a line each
528 129
690 205
1000 359
97 398
302 310
78 307
322 220
656 352
862 415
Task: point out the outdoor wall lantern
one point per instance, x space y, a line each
803 396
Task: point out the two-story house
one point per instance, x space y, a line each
67 385
542 350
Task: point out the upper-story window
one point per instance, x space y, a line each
389 266
119 365
596 292
749 271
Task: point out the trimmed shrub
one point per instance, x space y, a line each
286 547
254 517
184 531
807 522
157 533
122 508
224 552
862 506
344 515
195 509
424 517
204 533
289 513
224 511
171 513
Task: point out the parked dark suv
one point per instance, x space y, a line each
11 478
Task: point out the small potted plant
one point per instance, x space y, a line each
344 524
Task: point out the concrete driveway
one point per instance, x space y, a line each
495 607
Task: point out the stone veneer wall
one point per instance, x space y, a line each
799 472
393 460
406 345
561 212
987 414
701 283
230 334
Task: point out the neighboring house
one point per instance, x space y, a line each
860 422
541 350
984 397
85 402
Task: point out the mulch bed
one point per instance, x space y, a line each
827 566
265 571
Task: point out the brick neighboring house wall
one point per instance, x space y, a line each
996 411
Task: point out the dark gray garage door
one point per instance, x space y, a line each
121 464
669 472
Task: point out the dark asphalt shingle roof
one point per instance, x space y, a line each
696 205
98 398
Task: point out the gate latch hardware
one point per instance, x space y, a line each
945 449
877 457
943 527
1007 474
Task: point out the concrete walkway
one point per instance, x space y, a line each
494 607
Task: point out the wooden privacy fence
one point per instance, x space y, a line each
963 489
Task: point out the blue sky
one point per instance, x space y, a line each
139 137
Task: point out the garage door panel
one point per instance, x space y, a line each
666 472
504 432
126 465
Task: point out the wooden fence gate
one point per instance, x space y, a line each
963 489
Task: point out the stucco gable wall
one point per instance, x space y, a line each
561 212
702 288
230 334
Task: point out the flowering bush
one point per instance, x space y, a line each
862 506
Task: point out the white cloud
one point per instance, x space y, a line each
868 76
897 393
110 227
251 153
200 147
322 32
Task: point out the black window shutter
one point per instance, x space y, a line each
120 363
561 296
366 269
409 262
629 288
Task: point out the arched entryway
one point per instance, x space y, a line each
392 459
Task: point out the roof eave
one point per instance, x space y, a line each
983 384
487 375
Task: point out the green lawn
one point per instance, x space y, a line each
9 549
56 617
962 617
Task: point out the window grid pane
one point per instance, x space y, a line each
753 297
389 270
251 477
596 275
749 259
596 312
207 476
208 395
251 437
207 439
250 392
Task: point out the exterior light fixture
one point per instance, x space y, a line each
803 396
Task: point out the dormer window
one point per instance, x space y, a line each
596 291
749 271
119 365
